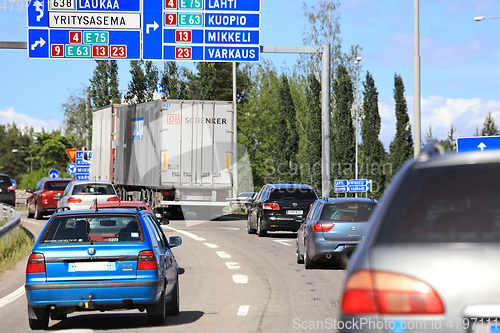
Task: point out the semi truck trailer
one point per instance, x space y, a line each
176 155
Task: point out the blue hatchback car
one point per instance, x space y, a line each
102 260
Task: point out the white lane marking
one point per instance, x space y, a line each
243 310
240 279
233 265
193 236
284 242
28 221
223 254
228 228
210 245
12 296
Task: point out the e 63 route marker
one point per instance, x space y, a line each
478 143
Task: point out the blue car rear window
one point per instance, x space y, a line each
94 228
347 211
452 204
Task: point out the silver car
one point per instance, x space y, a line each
332 229
429 260
81 194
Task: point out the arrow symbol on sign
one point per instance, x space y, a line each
154 26
482 146
39 8
40 42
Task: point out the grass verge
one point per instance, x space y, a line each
16 249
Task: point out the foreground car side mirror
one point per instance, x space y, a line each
174 241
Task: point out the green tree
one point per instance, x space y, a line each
489 127
174 81
429 136
372 150
77 120
450 144
143 82
49 149
207 80
310 146
401 148
104 84
342 131
13 137
287 142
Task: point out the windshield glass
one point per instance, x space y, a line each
93 227
55 186
293 193
94 189
348 211
452 204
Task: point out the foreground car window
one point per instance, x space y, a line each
55 186
296 193
347 211
94 189
93 228
453 204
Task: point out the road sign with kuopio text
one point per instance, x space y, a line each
82 165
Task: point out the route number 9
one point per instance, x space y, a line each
170 19
57 50
183 53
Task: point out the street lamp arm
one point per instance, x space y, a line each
480 18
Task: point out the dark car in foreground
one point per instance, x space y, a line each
279 207
87 260
332 229
7 190
429 261
45 196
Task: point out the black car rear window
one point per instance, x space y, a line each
347 211
293 193
5 181
94 189
453 204
55 186
97 228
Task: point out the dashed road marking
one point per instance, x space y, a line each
27 221
284 242
212 246
243 310
186 233
240 279
233 265
223 254
12 296
229 228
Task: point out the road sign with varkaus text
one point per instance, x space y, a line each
478 143
351 185
201 30
84 29
82 164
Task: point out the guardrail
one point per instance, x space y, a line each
13 217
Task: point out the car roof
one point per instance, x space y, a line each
286 186
57 179
105 211
448 159
77 182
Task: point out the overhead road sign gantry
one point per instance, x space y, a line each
202 30
351 186
478 143
84 29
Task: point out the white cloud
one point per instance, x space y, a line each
8 116
440 113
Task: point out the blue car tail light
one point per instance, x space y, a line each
146 260
36 263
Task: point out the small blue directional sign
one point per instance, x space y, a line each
352 185
159 88
82 165
53 173
478 143
13 182
71 169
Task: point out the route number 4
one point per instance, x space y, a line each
171 4
75 37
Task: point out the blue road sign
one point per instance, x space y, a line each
478 143
53 173
73 29
82 176
351 185
205 30
82 165
71 169
159 88
13 182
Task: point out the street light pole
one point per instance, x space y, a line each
356 115
22 151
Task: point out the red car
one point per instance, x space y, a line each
44 197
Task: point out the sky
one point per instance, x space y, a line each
460 61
